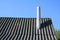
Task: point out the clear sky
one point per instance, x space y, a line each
27 9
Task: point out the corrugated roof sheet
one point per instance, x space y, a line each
25 29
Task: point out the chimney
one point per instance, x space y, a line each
38 17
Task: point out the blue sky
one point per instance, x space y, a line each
27 9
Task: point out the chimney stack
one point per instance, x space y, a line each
38 17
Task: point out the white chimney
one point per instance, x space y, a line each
38 17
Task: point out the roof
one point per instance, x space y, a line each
25 29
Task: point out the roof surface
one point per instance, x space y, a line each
25 29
